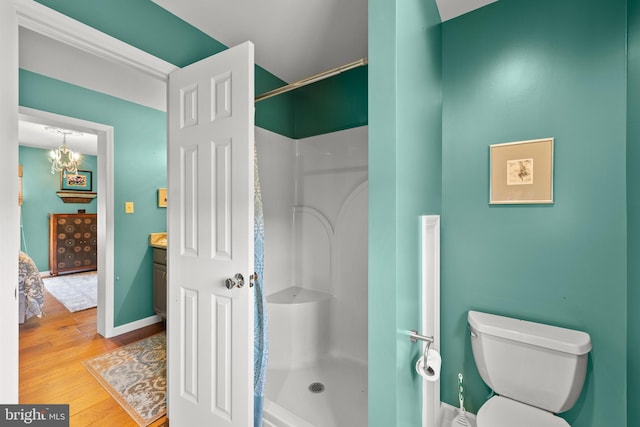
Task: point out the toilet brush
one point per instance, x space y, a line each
461 419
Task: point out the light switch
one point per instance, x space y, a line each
128 207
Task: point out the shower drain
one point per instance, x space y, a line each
316 387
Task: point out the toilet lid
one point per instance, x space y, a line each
502 412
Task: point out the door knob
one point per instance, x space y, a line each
236 280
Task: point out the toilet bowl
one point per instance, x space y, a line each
503 412
535 370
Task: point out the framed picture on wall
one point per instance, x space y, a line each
521 172
80 181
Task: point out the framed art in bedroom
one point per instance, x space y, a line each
79 181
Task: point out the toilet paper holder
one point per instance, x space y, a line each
414 336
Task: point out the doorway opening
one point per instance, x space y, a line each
104 134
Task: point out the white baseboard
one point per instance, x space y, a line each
132 326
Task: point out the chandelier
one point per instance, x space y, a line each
63 158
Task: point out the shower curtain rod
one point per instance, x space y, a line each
312 79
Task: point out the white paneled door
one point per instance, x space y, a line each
210 230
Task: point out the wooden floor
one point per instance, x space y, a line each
51 349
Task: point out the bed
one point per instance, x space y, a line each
31 289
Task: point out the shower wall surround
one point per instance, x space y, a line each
315 198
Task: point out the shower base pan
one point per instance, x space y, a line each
333 393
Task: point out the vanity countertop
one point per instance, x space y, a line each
158 240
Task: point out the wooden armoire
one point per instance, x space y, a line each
73 243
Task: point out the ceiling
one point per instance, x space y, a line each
37 135
293 40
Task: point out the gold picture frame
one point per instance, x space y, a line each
79 181
521 172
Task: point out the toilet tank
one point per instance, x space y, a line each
536 364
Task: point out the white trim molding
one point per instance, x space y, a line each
135 325
430 303
9 226
48 22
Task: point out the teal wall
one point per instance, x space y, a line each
405 132
331 105
143 24
39 187
139 170
633 208
518 70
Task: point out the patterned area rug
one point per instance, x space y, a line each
75 291
136 376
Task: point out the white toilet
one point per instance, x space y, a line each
535 370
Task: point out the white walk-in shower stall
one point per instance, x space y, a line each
314 193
